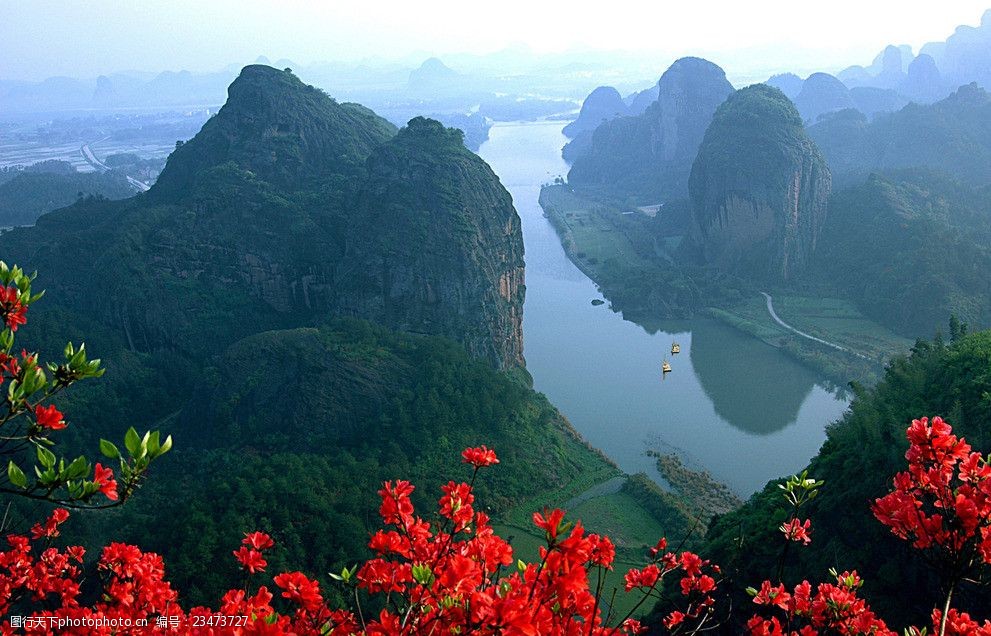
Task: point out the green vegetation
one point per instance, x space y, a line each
910 250
952 136
28 194
862 452
830 319
703 495
290 431
635 261
615 247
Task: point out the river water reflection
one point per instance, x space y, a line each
732 405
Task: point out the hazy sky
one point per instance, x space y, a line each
40 38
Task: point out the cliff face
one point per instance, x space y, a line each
759 188
289 209
650 155
436 246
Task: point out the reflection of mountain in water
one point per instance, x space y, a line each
749 383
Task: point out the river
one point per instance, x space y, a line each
733 405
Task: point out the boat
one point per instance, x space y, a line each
665 367
675 348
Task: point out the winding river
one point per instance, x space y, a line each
733 405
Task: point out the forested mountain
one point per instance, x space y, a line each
952 136
226 304
287 208
602 104
759 189
911 249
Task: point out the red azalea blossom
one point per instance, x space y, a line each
796 530
450 578
104 478
49 417
479 457
50 529
12 310
258 541
250 560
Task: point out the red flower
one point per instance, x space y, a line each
104 478
49 417
299 589
551 524
12 311
796 530
50 529
480 456
250 560
257 541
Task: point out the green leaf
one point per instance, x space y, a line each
165 447
45 457
78 468
16 475
109 449
132 442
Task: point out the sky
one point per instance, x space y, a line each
76 38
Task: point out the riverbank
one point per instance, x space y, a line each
641 277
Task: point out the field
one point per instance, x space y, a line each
616 515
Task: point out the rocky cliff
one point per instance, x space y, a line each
436 246
759 188
288 209
650 155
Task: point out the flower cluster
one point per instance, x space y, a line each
13 306
454 575
249 555
449 577
833 609
943 500
45 582
697 585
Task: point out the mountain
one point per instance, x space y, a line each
650 155
759 188
602 104
877 249
923 83
876 101
311 302
284 132
788 83
641 100
286 209
822 93
862 452
952 135
35 191
432 74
